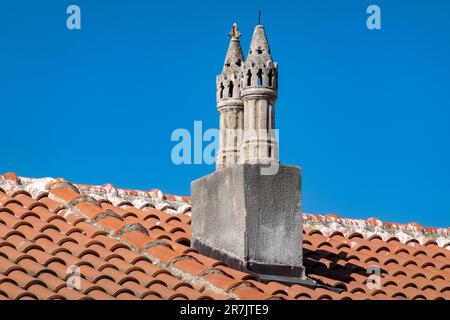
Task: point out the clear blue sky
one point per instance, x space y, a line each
364 113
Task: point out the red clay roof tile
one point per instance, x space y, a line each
72 294
190 266
44 234
250 293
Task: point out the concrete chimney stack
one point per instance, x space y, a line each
248 212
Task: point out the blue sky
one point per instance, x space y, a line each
364 113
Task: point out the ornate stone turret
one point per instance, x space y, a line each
259 91
230 104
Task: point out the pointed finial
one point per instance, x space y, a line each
235 33
259 17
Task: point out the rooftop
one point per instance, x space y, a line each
131 244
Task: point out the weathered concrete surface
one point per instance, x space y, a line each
253 221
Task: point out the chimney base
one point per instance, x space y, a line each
249 216
265 272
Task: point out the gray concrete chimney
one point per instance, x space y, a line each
248 212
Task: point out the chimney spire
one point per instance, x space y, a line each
229 103
259 93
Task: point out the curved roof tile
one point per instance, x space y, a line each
131 244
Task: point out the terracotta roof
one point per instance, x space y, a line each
132 244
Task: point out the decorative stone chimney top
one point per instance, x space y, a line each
260 71
228 82
263 203
229 103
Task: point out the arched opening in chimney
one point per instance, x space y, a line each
230 89
270 75
221 90
260 74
